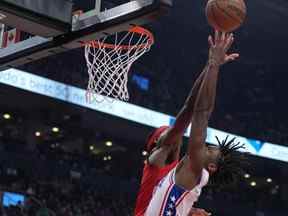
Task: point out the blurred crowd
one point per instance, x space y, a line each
249 103
65 198
62 184
254 109
74 186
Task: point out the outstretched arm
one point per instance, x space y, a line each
217 56
168 140
184 116
205 100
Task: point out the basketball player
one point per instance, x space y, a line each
163 146
181 187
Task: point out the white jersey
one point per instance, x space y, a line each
172 200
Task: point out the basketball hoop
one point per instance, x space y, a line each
109 60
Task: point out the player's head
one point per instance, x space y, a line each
152 139
224 162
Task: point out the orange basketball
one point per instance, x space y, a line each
226 15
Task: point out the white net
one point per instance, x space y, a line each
109 63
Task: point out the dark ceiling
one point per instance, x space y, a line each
254 86
27 104
261 38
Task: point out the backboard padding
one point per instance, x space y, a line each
89 27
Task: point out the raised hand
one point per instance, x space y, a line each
198 212
219 47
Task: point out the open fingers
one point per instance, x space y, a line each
210 41
232 57
200 212
204 213
217 37
229 42
223 38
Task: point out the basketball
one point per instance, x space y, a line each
225 15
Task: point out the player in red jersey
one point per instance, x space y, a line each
220 165
163 147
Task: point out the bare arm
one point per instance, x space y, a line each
199 91
206 97
202 112
168 139
184 116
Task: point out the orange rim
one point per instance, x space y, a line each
137 29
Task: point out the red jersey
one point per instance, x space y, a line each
152 175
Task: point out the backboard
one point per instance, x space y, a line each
104 18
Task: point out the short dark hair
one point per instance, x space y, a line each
230 163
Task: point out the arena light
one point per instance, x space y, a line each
37 133
7 116
269 180
109 157
253 184
55 129
144 153
108 143
66 117
247 176
91 147
71 94
105 158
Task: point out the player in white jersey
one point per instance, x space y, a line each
177 192
173 199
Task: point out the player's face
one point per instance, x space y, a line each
212 155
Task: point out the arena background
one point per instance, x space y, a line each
62 156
